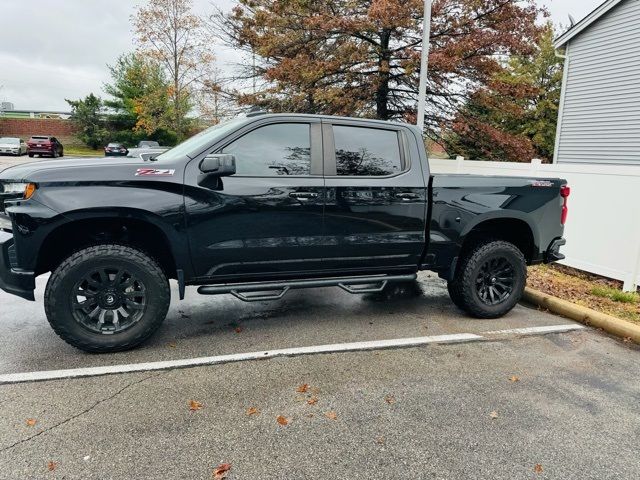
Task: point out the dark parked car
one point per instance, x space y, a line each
257 207
115 150
45 145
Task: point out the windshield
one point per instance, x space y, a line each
199 142
9 140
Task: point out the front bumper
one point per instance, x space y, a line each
13 280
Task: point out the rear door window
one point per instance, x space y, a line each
367 152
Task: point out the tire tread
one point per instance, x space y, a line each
463 296
124 252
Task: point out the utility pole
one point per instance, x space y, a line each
424 65
253 56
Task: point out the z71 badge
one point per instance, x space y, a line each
158 172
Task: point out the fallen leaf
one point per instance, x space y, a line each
282 420
253 411
171 345
238 329
31 422
390 399
380 440
303 388
331 415
537 468
494 415
312 401
514 379
221 471
194 406
51 466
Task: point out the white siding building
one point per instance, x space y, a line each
599 117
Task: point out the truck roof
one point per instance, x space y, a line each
330 117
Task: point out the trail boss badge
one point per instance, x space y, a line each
157 172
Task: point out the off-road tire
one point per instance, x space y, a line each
59 293
463 290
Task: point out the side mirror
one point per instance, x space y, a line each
220 164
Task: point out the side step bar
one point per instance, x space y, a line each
280 288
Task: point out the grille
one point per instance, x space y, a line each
7 196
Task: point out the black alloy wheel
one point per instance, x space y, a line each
109 300
495 280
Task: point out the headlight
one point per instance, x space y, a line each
26 189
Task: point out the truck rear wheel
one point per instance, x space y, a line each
107 298
489 280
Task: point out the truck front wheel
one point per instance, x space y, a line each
107 298
489 280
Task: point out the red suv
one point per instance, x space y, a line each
44 145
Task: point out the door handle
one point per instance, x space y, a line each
303 195
407 196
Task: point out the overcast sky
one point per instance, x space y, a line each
56 49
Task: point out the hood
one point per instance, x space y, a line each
79 169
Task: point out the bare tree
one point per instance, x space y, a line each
172 34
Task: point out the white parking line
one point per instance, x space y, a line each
537 330
286 352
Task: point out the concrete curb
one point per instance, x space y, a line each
613 325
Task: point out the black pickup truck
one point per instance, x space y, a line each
256 207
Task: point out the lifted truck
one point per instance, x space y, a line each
256 207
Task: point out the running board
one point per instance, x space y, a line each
281 288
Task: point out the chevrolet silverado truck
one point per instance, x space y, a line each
259 206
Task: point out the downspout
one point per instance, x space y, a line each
563 92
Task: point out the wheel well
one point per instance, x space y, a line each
511 230
80 234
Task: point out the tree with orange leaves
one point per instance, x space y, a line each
363 57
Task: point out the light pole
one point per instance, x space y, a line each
424 65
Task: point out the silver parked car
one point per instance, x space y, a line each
146 149
12 146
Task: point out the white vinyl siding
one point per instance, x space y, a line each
600 112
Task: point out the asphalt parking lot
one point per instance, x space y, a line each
513 406
7 161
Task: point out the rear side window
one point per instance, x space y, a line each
272 150
366 152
